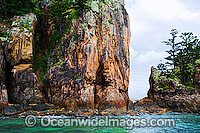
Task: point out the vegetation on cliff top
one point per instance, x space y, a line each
183 56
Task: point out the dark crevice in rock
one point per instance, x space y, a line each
8 81
100 78
24 61
95 96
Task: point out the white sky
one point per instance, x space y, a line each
151 22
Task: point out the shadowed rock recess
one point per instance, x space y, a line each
90 70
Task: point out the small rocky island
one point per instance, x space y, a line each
176 96
176 83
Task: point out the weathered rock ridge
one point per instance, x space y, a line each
90 70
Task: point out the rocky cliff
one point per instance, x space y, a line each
88 67
17 59
169 92
92 70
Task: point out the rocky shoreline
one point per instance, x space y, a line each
145 106
86 72
16 111
148 106
140 107
159 101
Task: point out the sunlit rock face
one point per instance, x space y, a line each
92 69
19 56
20 48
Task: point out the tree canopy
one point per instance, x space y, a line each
183 53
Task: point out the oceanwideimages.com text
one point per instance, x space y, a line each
128 123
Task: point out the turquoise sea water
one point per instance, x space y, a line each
184 123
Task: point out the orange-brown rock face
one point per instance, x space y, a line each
21 81
92 69
20 49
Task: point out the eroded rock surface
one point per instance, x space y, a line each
20 49
21 80
92 70
88 68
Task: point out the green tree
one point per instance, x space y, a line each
182 55
162 67
65 11
11 8
171 59
188 54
